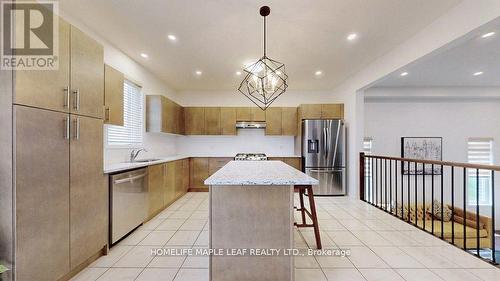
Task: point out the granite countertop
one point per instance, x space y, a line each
259 173
118 167
123 166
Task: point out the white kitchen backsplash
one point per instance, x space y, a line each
247 140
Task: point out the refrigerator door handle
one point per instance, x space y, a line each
325 142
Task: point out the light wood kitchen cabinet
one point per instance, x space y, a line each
228 120
87 75
163 115
156 189
185 174
198 172
243 114
212 121
47 89
42 194
179 188
295 162
289 121
88 193
179 117
113 96
215 163
194 120
258 114
332 111
169 184
321 111
310 111
273 121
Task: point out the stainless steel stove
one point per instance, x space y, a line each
250 156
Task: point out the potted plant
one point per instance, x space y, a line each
3 269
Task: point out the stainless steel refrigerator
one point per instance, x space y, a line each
324 155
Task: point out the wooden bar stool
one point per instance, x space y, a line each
301 189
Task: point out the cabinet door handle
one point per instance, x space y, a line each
66 129
106 114
66 97
76 102
77 128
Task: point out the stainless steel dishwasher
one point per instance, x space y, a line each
129 202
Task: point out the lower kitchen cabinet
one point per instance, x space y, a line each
42 194
198 172
295 162
215 163
156 188
88 190
169 184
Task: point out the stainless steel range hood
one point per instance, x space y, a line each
250 125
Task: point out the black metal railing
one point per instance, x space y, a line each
419 192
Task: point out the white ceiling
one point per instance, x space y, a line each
218 36
454 64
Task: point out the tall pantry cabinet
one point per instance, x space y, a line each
61 197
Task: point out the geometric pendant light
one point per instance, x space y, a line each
265 80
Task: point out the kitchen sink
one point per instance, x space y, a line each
144 160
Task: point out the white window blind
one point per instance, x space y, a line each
130 134
479 151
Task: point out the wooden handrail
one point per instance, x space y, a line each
439 163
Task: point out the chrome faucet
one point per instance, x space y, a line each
135 152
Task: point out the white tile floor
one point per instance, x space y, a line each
382 248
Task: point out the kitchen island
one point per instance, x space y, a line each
251 220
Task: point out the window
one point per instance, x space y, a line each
479 151
130 134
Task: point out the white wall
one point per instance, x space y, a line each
460 20
455 114
158 145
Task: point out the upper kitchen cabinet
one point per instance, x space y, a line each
163 115
289 121
310 111
87 75
228 120
113 96
243 114
273 121
47 89
194 118
212 121
332 111
281 121
321 111
250 114
258 114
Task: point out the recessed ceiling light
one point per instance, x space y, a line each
144 55
172 37
238 73
486 35
478 73
198 72
404 73
318 72
352 36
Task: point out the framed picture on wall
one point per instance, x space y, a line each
425 148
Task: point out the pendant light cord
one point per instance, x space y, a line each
264 36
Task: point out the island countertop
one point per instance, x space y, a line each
259 173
